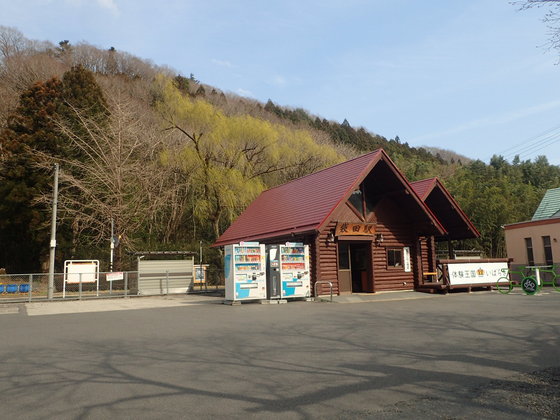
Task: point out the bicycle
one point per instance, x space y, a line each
554 277
505 284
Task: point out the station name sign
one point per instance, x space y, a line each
354 229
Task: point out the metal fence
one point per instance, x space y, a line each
35 287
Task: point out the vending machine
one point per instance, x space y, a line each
294 270
245 271
273 278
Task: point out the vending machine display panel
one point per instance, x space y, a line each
245 271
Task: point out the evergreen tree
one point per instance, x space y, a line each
32 140
24 225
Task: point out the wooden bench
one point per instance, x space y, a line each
430 276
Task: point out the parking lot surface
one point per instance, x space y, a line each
462 355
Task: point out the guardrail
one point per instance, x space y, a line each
34 287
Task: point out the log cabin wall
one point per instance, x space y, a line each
424 255
327 269
397 233
432 253
428 254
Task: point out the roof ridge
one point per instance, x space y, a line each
425 179
325 169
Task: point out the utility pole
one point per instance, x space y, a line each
112 244
50 289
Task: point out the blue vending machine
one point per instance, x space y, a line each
245 271
294 270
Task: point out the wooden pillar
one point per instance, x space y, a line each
316 269
432 252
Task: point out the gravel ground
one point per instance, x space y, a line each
534 395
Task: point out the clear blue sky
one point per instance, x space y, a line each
473 76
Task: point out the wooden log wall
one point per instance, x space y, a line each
327 269
389 278
397 232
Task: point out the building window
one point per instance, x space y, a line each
547 250
357 200
529 247
343 257
394 257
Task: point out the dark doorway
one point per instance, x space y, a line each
354 267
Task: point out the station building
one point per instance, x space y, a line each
368 228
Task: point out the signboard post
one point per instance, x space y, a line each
114 276
79 272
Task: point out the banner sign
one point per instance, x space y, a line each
355 229
117 275
476 273
406 259
84 271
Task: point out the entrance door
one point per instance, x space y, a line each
354 267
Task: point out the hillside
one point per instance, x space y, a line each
173 161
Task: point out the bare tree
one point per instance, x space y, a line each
551 18
113 173
12 42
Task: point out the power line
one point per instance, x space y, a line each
542 143
524 142
533 144
556 140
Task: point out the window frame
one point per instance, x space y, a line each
529 251
343 256
360 212
400 265
547 247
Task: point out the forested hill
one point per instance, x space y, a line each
172 161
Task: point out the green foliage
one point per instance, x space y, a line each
81 92
182 83
188 183
23 223
500 193
32 134
231 159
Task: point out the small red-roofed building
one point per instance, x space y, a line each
368 228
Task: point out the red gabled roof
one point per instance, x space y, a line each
305 204
425 187
297 206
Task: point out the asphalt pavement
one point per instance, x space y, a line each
414 356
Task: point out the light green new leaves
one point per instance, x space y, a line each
231 159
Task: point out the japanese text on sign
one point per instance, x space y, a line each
472 273
344 228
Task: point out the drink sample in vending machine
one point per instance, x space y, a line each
245 276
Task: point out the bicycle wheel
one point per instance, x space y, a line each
529 285
556 282
504 285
